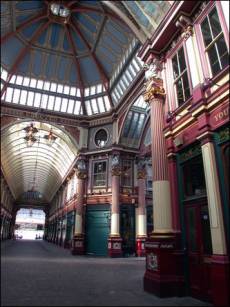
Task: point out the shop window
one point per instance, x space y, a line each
214 42
126 178
193 178
99 174
180 74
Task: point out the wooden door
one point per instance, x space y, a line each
199 250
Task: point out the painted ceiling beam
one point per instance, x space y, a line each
104 77
80 82
22 54
22 26
84 9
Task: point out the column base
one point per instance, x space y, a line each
164 266
78 245
115 246
220 280
140 246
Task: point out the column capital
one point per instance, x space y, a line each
206 137
154 89
185 24
141 174
80 168
116 164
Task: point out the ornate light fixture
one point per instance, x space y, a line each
59 10
50 138
30 138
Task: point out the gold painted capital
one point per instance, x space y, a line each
188 31
141 174
154 89
116 171
81 174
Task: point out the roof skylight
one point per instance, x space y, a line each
59 10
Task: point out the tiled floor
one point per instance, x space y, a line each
38 273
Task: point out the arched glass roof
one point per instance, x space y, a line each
75 57
40 167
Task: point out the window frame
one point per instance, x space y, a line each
206 67
93 174
180 46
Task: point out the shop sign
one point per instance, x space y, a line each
151 245
152 262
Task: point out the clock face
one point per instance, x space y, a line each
101 138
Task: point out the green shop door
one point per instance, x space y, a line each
127 229
97 229
69 228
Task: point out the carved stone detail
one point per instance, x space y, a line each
141 174
188 31
116 170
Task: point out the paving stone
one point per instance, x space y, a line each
38 273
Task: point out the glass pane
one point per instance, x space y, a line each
33 83
53 87
213 59
51 103
223 51
37 100
193 174
23 97
101 104
57 104
60 88
64 104
77 107
40 84
94 106
181 60
175 67
47 86
206 233
215 23
26 81
70 106
66 89
179 89
19 80
73 91
44 101
186 85
16 96
107 103
192 231
88 107
206 32
30 98
93 90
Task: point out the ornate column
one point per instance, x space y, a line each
161 276
220 267
78 246
114 241
141 210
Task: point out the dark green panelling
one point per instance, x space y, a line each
223 135
97 230
190 152
127 229
182 220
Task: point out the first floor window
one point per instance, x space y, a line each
180 74
99 174
214 42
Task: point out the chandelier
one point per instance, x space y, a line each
50 138
30 138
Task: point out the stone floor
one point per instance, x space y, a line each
38 273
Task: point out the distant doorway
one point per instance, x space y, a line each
29 224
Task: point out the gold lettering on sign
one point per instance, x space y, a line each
222 115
